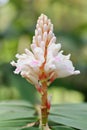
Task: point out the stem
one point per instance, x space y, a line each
44 111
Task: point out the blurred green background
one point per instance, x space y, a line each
17 24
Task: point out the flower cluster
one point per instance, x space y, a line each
45 61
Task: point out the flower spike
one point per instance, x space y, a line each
45 56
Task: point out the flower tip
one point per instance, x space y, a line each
17 71
12 63
68 56
17 56
26 51
59 46
42 15
77 72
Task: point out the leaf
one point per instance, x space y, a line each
16 103
16 114
9 128
31 128
16 122
74 115
61 128
9 110
17 128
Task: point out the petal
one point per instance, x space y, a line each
77 72
13 63
64 67
17 70
39 54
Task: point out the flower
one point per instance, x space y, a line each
45 62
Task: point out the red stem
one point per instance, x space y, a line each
44 109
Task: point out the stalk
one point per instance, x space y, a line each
44 109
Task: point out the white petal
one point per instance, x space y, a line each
29 53
45 36
17 70
77 72
45 27
50 35
53 40
13 63
39 39
39 54
39 31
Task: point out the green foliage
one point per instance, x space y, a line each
27 91
8 50
16 115
74 115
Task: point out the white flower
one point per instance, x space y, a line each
58 63
28 66
45 62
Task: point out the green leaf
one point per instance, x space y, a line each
9 128
61 128
16 114
74 115
16 122
17 128
16 110
15 103
31 128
